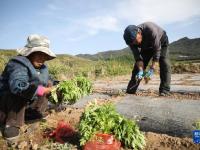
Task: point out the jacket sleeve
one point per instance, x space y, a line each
19 82
136 53
157 48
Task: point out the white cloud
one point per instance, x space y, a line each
80 21
190 22
112 17
161 11
92 26
108 23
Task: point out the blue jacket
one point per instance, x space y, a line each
22 79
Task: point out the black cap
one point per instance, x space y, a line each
130 34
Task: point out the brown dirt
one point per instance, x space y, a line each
33 135
69 115
165 142
33 138
151 93
173 95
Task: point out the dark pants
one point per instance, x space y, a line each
13 108
165 71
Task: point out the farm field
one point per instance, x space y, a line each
167 122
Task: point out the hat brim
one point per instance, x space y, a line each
27 51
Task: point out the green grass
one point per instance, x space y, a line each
5 55
71 66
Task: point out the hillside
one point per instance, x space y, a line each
6 54
185 49
182 49
113 63
67 66
63 64
107 54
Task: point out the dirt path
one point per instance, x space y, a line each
183 83
165 142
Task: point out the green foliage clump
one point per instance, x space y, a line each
71 90
84 84
105 119
5 55
197 125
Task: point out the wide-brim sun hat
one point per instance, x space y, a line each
37 43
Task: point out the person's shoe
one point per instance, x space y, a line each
11 133
130 91
127 92
164 93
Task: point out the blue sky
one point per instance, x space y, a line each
91 26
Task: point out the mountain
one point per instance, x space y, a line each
107 54
182 49
185 48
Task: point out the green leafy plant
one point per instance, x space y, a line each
197 125
105 119
84 84
71 90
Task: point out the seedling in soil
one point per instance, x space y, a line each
71 90
105 119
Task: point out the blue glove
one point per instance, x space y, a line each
139 75
149 74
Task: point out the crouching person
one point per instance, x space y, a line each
25 85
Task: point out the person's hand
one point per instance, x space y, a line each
47 90
50 84
150 73
139 75
41 90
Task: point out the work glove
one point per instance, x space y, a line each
149 74
139 75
